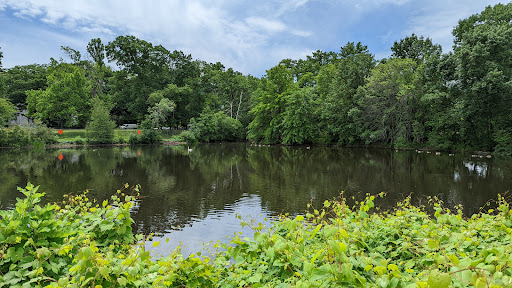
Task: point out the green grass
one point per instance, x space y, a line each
74 135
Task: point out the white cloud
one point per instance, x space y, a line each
438 18
271 26
290 5
248 36
301 33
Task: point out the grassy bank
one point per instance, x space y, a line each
82 243
79 136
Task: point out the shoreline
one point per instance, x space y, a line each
171 143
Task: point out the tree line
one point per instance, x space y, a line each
417 97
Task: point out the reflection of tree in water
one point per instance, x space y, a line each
79 170
289 177
186 186
19 167
180 187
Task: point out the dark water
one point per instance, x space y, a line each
194 196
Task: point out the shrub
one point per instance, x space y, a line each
42 244
14 137
42 134
101 128
18 136
213 127
187 136
148 134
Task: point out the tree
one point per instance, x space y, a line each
299 124
415 48
389 103
216 126
181 97
101 127
73 54
160 112
269 105
96 50
7 111
337 89
231 89
66 100
440 102
484 71
17 80
144 69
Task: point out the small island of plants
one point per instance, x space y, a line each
82 243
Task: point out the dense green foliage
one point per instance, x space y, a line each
7 111
80 243
66 101
19 79
24 136
214 127
416 98
101 127
148 135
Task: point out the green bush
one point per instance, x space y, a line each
18 136
41 244
214 127
187 136
14 137
148 134
41 134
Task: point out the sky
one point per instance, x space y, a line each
248 36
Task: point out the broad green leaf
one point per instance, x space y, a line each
255 278
438 279
454 260
308 267
432 244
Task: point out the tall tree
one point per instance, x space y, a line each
101 128
269 105
96 51
484 70
299 123
7 111
337 89
390 100
66 101
416 48
144 69
19 79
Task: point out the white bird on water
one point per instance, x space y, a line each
189 149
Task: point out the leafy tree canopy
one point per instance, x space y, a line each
101 128
7 111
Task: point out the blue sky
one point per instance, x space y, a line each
249 36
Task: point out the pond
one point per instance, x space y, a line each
195 196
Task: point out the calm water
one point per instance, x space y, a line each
194 197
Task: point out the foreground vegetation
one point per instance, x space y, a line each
83 243
418 97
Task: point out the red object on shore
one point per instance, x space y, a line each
60 157
60 131
138 131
